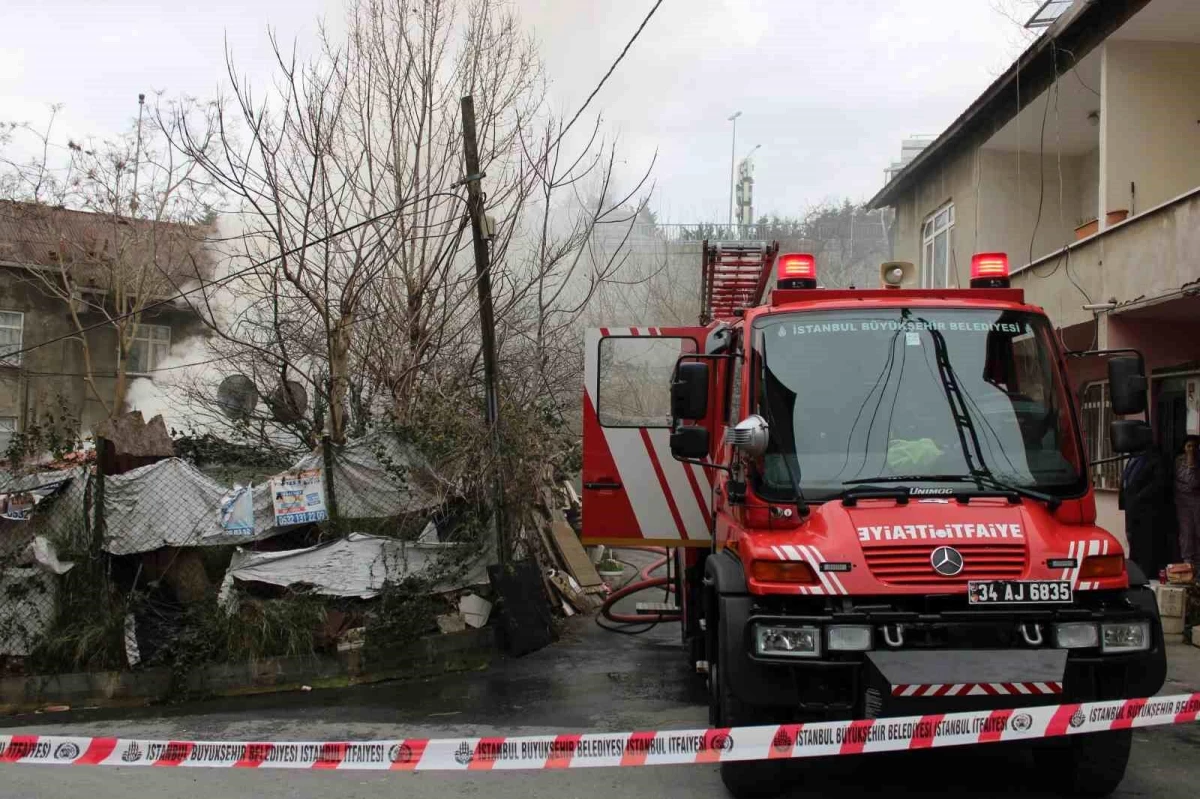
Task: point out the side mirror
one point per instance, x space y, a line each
1130 435
1127 385
689 392
689 442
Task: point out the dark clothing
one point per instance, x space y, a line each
1145 498
1187 508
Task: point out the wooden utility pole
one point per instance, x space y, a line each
487 322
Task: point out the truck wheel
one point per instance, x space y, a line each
744 779
1085 765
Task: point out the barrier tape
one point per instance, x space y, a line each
649 748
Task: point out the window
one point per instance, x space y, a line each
881 407
1097 414
150 347
935 238
8 426
12 336
635 380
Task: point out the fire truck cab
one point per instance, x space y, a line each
878 500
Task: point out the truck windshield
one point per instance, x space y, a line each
920 392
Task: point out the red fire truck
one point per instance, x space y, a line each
878 502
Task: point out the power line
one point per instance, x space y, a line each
218 281
607 75
134 375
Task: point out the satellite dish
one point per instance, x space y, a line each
237 396
288 402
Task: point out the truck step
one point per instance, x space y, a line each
656 607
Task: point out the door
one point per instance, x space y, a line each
634 492
1170 415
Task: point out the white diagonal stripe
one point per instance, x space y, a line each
833 576
815 564
1022 688
679 486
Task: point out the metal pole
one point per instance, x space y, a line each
732 158
487 321
137 154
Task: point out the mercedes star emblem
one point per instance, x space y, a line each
947 561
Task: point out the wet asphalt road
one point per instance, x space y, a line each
589 681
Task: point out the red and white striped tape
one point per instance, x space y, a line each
979 689
649 748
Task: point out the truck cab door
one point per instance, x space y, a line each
634 492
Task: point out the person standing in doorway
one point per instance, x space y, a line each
1145 497
1187 500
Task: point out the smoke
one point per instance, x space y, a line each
178 380
184 385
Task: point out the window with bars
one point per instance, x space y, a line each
1096 416
936 244
150 347
12 337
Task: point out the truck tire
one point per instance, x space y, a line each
1085 765
744 779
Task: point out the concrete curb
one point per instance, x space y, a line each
425 657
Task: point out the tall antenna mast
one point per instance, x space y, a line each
137 156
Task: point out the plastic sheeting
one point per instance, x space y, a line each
171 503
356 566
28 609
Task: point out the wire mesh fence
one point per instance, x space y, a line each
115 561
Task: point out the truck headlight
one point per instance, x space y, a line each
781 641
1076 635
1125 636
848 637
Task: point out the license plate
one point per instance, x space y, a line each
1018 592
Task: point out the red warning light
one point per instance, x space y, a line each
989 270
797 270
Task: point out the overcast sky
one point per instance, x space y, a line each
827 87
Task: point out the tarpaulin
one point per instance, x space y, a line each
172 503
356 566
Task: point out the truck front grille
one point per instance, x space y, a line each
909 564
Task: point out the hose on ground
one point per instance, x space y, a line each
645 582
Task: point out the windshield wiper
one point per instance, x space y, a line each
1052 503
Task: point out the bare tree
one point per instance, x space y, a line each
106 224
350 263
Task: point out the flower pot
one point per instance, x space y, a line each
609 576
1113 217
1087 229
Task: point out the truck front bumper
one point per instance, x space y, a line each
952 659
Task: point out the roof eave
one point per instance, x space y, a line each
1078 30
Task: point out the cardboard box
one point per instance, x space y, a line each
1180 573
1172 600
1196 635
1172 625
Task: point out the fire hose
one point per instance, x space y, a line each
644 582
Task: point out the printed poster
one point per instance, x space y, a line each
299 498
237 511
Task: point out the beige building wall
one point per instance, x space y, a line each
52 375
1150 130
995 196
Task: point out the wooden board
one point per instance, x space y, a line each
574 555
576 600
